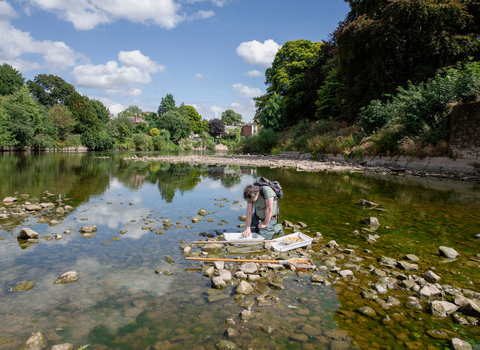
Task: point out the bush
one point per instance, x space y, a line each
42 141
126 145
142 142
97 140
264 142
209 144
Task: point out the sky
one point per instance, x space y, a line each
210 54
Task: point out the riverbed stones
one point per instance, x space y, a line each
209 272
225 345
88 229
459 344
27 233
210 247
302 338
225 275
372 221
9 199
406 266
448 252
187 250
441 308
246 315
202 212
244 288
242 218
33 207
346 273
23 286
218 282
431 276
387 262
67 277
35 342
367 311
428 291
249 268
471 308
196 219
66 346
167 223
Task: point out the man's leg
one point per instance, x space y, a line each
269 231
254 224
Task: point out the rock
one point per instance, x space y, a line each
53 222
392 301
372 221
442 308
67 277
219 264
218 282
9 199
459 344
461 301
369 294
225 345
302 338
59 210
167 223
332 244
196 219
349 252
116 238
210 247
246 315
408 284
336 334
230 321
168 272
213 298
88 235
27 233
302 224
249 268
438 334
346 273
471 308
187 250
365 203
209 272
413 304
386 261
35 342
247 304
68 207
340 345
380 289
428 291
276 285
288 224
33 207
23 286
225 275
230 332
254 278
169 259
65 346
447 252
241 275
370 239
202 212
242 218
403 265
58 237
88 229
244 288
411 257
367 311
431 277
266 329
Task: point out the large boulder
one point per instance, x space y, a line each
35 342
447 252
27 233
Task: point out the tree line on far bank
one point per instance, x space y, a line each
385 80
47 112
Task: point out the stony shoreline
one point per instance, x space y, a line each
462 169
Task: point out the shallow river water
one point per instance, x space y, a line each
120 302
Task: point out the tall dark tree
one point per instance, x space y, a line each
50 89
10 79
83 113
102 112
401 41
167 104
216 127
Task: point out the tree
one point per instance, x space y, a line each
141 128
62 120
102 112
286 77
216 127
131 110
175 123
402 41
50 90
197 123
167 104
273 115
10 79
230 117
83 112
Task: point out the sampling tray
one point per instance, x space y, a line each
281 244
237 236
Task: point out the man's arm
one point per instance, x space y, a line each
248 229
268 213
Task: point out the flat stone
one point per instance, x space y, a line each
275 266
254 278
67 277
23 286
65 346
219 264
249 268
88 229
428 291
378 272
408 284
430 276
33 207
196 219
442 308
244 288
247 304
225 345
367 311
302 338
386 261
447 252
459 344
210 247
346 273
35 342
276 286
438 334
218 282
213 298
403 265
241 275
411 257
225 275
246 315
319 278
336 334
9 199
27 233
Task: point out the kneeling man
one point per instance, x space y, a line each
265 216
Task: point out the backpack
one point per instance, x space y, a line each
274 185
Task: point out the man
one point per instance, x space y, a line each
265 217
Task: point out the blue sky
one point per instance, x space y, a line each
211 54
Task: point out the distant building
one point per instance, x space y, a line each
246 129
137 120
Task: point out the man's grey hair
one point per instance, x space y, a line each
250 192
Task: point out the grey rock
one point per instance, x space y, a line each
392 301
196 219
35 342
367 311
33 207
249 268
373 221
365 203
430 276
340 345
471 308
218 282
447 252
403 265
209 272
336 334
27 233
408 284
210 247
319 278
67 277
459 344
428 291
302 338
378 272
369 294
413 304
442 308
202 212
89 229
346 273
411 257
241 275
386 261
244 288
225 275
225 345
332 244
65 346
246 315
219 264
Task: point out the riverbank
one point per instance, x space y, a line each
441 167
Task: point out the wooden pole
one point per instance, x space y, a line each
227 242
236 260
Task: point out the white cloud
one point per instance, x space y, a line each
198 77
210 112
201 15
136 59
246 91
113 106
218 3
254 52
254 73
13 43
87 14
7 11
111 77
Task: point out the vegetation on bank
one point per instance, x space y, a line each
383 83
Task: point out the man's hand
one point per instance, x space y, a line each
247 233
262 224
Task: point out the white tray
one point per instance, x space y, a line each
280 246
237 236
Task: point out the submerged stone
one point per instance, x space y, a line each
23 286
66 346
244 288
67 277
27 233
225 345
88 229
35 342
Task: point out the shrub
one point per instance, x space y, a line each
264 142
210 145
97 140
142 142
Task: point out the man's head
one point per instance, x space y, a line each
250 193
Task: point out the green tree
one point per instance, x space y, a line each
62 120
401 41
154 132
229 116
286 77
327 103
177 125
141 128
10 79
274 114
131 110
198 124
102 112
83 113
216 127
50 89
167 104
